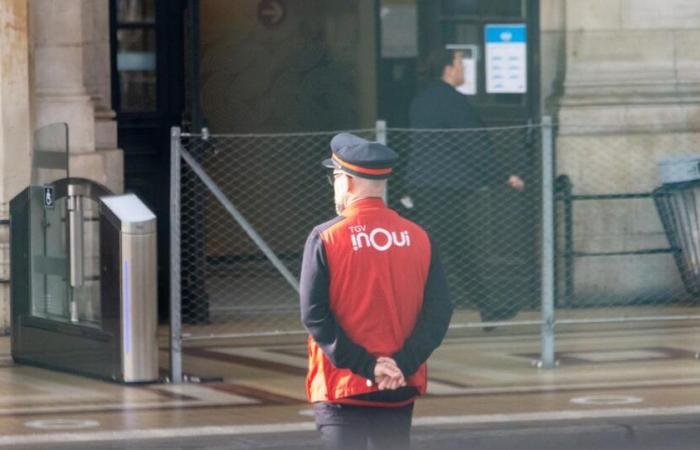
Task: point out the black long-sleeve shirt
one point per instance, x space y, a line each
458 157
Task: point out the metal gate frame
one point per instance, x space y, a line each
178 153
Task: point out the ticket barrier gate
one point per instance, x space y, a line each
83 281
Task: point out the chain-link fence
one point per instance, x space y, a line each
478 194
616 261
597 234
249 201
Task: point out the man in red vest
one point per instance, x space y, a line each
374 300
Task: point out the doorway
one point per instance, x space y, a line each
463 22
148 94
410 31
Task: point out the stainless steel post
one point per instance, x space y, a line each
380 135
129 238
547 327
380 131
175 268
76 243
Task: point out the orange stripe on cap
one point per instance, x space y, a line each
361 169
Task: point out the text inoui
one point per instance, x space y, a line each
379 238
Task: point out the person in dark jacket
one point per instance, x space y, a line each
374 301
450 175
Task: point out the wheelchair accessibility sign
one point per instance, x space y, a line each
49 197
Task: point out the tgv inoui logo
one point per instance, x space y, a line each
378 238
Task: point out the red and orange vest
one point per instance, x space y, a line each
378 264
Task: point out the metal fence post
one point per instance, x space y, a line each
238 217
547 327
380 131
175 268
380 136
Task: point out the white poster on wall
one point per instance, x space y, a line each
506 58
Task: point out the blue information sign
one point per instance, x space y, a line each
506 58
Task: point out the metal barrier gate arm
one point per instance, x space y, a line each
238 217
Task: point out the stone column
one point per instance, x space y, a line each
15 129
107 160
631 97
552 53
71 83
60 94
97 71
631 63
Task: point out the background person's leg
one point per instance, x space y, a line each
342 427
494 262
441 213
477 252
464 218
390 428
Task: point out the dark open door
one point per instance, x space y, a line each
463 22
438 23
511 262
148 96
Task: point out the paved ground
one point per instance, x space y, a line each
615 388
657 433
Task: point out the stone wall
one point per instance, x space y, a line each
313 71
70 68
15 127
552 53
631 96
55 68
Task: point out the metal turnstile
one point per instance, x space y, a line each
83 281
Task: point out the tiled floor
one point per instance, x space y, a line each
475 376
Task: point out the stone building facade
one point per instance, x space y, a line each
620 77
630 97
55 68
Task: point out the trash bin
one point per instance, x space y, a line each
678 204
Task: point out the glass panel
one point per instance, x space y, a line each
49 260
50 156
51 291
492 8
399 29
129 11
136 66
465 33
87 296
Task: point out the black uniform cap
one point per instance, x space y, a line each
360 157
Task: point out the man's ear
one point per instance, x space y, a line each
446 72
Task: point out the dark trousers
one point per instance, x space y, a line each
349 427
458 222
466 227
